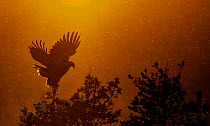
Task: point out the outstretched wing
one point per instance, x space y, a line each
39 52
66 47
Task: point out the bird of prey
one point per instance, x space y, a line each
55 63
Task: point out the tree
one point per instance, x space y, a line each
90 105
196 111
159 100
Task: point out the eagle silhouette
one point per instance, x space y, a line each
55 63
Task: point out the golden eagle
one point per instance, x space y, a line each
56 62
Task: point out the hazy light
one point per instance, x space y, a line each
77 3
118 37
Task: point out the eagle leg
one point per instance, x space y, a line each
41 70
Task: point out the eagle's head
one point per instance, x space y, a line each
65 67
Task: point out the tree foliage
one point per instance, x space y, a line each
159 100
91 105
196 111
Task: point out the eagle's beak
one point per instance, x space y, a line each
73 66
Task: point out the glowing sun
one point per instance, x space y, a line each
77 3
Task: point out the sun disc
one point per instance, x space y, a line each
77 3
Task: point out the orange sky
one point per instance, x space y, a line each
118 37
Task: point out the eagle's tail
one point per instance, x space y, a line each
52 82
41 70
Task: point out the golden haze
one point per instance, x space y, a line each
118 37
